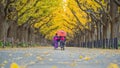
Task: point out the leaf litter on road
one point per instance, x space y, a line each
97 56
39 58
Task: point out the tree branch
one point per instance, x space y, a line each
117 2
28 9
24 5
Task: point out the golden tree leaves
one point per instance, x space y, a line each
70 13
67 15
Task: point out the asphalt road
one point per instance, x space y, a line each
71 57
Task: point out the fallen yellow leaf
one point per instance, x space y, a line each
27 54
113 65
14 65
5 62
80 57
46 53
1 65
87 58
54 66
73 64
39 58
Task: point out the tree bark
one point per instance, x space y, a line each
2 22
113 12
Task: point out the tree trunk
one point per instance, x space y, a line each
30 34
12 30
113 12
2 22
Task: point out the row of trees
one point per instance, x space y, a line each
36 21
104 24
18 19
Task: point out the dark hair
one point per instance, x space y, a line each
56 34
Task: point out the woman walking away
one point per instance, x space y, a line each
62 42
55 41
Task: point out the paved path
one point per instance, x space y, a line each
71 57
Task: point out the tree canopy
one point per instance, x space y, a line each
48 16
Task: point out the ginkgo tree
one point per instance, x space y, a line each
27 13
81 19
71 13
42 13
85 12
77 14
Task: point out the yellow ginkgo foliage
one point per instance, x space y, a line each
68 16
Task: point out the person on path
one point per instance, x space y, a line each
55 41
62 42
